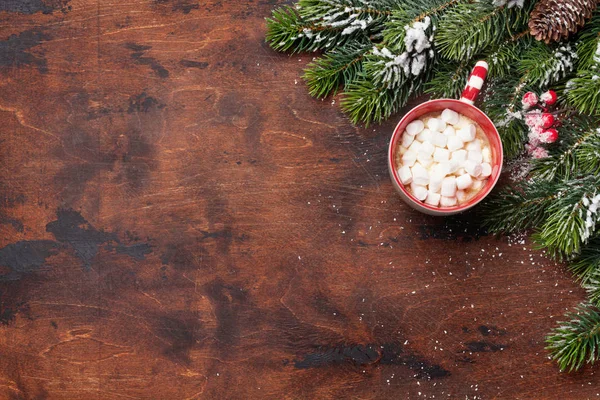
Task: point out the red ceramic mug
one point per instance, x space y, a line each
465 107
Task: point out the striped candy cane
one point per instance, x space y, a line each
474 83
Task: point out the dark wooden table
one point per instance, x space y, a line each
180 220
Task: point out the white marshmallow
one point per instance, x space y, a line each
424 159
442 169
407 140
454 143
464 181
486 170
459 156
450 116
449 131
436 125
448 201
460 171
420 174
427 148
477 185
425 136
433 199
441 155
409 158
461 195
415 146
402 150
414 127
462 121
454 166
405 175
487 154
449 186
474 145
439 139
435 182
420 192
467 133
475 155
473 168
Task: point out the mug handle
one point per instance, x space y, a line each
474 83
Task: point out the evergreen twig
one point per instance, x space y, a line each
577 340
334 69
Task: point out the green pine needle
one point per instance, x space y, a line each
584 91
518 208
586 267
587 44
566 227
469 28
413 11
334 69
577 340
283 29
449 79
505 56
542 65
364 102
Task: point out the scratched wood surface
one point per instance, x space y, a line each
180 220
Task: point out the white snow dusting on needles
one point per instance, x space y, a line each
591 217
416 39
413 60
597 54
351 19
564 60
509 3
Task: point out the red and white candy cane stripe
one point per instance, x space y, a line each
475 82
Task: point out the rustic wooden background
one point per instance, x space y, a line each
180 220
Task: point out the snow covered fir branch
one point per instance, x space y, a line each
377 54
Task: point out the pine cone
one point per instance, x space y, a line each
553 20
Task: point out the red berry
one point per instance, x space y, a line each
547 120
549 97
550 135
533 119
529 100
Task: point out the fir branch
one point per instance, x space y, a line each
504 56
354 19
365 102
449 79
325 24
542 65
520 207
406 52
413 11
586 267
588 153
584 91
572 217
513 133
336 68
577 340
287 31
468 28
587 45
339 10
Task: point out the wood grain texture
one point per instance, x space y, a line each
180 220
